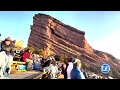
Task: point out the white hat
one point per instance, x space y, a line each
75 60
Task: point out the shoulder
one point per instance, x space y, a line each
71 64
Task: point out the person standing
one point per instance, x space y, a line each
69 68
64 70
76 72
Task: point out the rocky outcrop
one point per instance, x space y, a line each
59 38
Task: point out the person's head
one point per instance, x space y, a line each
8 41
28 50
37 56
69 59
77 63
49 58
50 63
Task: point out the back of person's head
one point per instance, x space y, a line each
28 50
69 59
50 58
49 62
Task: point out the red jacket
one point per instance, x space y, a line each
26 55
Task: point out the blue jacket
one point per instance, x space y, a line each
76 73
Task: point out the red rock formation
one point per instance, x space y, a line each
58 38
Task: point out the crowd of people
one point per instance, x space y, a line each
34 61
53 68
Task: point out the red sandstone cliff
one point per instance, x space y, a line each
58 38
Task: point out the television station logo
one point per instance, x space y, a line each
105 68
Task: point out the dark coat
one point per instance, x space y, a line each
64 71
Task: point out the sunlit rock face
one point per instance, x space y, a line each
57 38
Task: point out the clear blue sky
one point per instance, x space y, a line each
98 25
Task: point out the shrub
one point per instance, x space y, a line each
84 65
95 69
40 52
61 57
114 73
